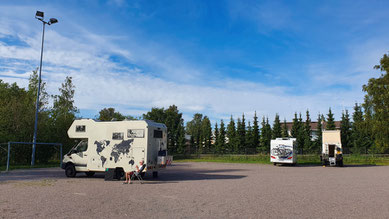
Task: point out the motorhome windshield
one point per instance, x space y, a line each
79 147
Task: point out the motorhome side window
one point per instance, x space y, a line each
135 133
157 134
117 135
80 128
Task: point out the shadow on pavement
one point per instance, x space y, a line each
172 174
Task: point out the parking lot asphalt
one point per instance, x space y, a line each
201 190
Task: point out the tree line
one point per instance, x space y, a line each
365 131
17 116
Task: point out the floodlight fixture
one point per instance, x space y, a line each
39 15
52 21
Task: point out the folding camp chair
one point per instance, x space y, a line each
138 175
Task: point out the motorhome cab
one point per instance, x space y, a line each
118 145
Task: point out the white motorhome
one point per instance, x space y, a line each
283 151
118 145
331 148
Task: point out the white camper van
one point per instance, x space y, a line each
332 148
283 151
118 145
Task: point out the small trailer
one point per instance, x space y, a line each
283 151
116 147
331 148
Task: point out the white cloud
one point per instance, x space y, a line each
101 82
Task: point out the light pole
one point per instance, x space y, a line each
39 15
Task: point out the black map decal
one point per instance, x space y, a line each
100 145
121 148
103 159
118 149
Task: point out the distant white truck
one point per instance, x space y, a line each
331 148
118 145
283 151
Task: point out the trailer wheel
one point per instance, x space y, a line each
155 174
90 173
70 170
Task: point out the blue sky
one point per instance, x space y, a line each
219 58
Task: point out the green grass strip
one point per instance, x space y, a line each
311 159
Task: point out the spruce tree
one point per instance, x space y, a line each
284 130
262 139
277 132
255 131
206 134
307 133
345 129
268 135
242 135
250 148
300 134
238 135
216 140
361 141
330 120
318 141
231 135
295 126
222 137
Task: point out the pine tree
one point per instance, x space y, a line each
330 121
285 130
307 134
255 131
277 132
345 129
231 135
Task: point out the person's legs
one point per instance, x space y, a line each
127 177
